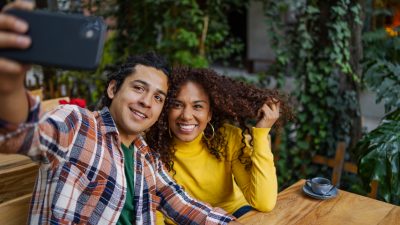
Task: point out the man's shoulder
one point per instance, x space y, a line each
142 146
145 150
70 112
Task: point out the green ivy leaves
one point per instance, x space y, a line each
314 49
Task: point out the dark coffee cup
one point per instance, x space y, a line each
320 185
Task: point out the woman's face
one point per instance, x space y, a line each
190 112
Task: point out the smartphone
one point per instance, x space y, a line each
66 41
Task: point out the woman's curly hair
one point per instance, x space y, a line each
231 101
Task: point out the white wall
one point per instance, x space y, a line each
258 47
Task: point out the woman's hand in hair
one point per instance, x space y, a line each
267 115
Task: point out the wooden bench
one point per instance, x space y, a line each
15 211
17 176
50 104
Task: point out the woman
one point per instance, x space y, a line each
214 160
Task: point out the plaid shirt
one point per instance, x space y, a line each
81 179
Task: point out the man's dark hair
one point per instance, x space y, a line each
120 72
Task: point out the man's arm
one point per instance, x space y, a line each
13 99
183 209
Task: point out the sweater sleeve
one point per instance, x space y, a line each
159 218
259 183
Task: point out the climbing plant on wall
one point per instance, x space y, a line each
313 43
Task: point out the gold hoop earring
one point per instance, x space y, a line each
213 133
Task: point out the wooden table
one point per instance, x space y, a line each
294 207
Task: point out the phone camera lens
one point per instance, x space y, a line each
89 34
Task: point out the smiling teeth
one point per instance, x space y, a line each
140 114
187 127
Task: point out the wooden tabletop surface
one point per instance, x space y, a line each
294 207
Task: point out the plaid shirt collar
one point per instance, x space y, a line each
108 125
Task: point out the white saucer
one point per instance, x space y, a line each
308 191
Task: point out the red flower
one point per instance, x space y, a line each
74 101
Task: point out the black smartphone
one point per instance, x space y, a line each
66 41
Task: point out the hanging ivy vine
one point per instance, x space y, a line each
312 44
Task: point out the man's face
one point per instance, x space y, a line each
139 101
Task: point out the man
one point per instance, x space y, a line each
95 166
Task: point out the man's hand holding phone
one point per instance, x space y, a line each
12 31
67 41
13 101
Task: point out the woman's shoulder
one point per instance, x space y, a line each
234 139
232 133
229 129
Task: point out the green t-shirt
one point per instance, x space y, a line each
127 216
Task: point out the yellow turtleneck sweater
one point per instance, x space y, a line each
226 183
